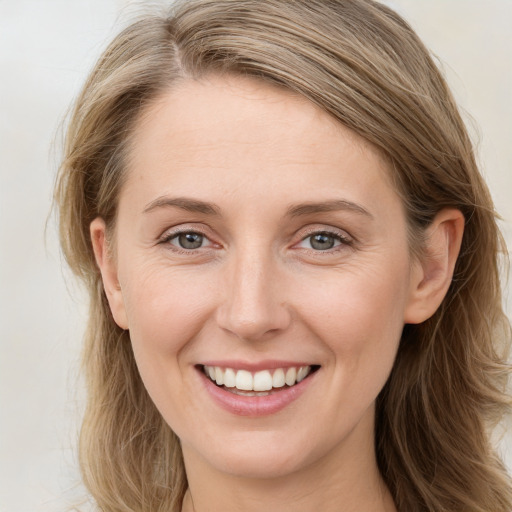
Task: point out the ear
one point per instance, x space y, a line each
433 271
108 268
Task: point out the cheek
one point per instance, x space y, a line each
163 304
166 310
361 298
359 315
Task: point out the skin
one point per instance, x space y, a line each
257 289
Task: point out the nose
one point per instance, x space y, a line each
253 292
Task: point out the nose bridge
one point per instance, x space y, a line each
253 304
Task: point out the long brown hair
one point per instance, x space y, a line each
360 62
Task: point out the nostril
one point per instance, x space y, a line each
251 308
260 323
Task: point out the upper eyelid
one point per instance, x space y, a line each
334 234
179 229
330 230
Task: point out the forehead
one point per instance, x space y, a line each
215 134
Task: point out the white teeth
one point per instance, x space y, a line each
291 376
229 378
244 380
278 378
301 374
259 382
262 381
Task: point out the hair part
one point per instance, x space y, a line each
360 62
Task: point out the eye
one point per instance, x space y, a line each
189 240
323 241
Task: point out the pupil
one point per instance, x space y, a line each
190 240
322 242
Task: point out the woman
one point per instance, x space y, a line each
293 268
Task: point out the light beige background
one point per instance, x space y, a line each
46 48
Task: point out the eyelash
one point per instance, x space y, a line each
167 238
343 239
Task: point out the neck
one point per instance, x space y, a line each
344 480
273 497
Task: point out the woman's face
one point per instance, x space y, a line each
255 237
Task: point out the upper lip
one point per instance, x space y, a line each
254 366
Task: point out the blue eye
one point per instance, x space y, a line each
188 240
322 241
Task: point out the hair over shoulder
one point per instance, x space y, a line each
362 63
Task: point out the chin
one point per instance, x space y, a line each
259 454
255 464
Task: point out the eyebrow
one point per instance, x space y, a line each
299 210
190 205
327 206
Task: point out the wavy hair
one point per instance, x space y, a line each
363 64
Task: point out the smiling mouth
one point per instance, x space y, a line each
261 383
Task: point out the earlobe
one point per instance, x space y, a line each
108 269
433 272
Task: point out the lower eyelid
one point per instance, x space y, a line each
340 244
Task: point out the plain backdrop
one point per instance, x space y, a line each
46 50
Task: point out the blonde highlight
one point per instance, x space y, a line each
360 62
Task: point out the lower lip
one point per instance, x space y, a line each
255 405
